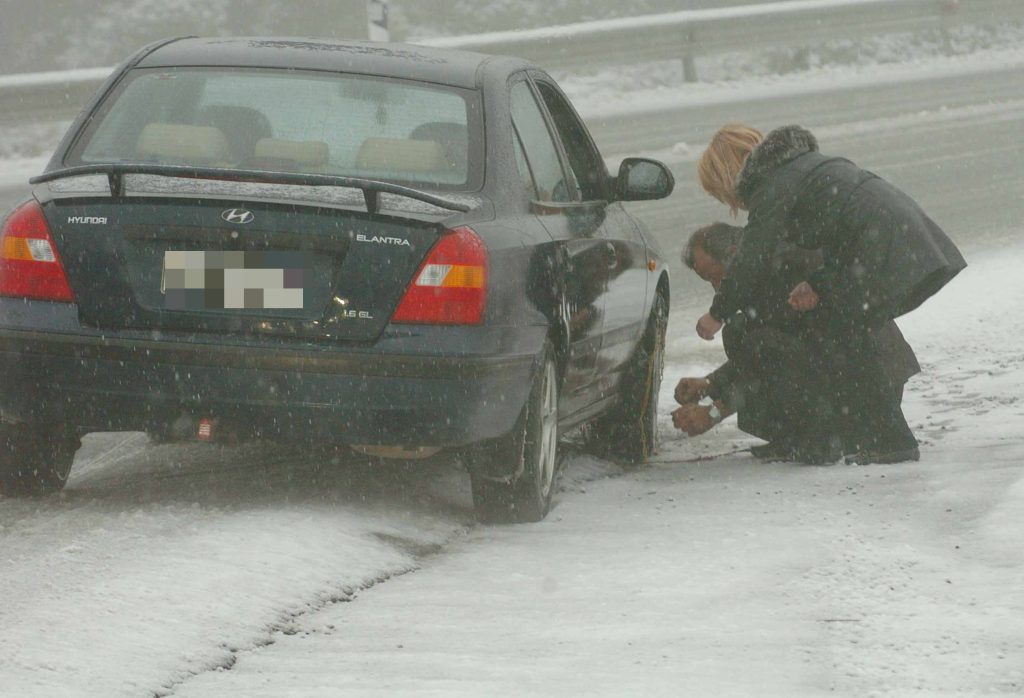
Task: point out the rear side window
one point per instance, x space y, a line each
524 168
585 162
541 152
297 122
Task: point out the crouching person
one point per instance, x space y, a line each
774 379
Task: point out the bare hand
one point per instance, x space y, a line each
708 326
803 298
693 419
691 390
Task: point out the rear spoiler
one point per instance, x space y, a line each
372 189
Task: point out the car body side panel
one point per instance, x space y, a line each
580 264
611 235
626 305
570 279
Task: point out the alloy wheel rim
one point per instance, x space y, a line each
548 431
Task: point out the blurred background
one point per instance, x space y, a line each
61 34
929 93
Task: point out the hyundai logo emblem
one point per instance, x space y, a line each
237 215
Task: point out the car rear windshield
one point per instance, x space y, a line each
292 121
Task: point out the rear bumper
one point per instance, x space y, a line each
325 394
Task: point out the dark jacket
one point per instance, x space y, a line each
883 256
788 266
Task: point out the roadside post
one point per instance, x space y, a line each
377 20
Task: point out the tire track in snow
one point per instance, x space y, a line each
287 624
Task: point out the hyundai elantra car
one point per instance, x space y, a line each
399 249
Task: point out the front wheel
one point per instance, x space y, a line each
531 452
34 460
630 430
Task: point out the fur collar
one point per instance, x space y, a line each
778 147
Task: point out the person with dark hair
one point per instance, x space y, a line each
715 244
883 257
767 379
772 378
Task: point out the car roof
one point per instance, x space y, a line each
406 61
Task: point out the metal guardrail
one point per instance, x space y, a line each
676 35
50 97
690 33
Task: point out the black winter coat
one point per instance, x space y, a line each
770 308
883 256
789 266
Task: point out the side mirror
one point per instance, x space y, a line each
642 179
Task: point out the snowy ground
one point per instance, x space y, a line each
707 573
251 571
618 91
725 576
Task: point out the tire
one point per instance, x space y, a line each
531 451
34 461
629 432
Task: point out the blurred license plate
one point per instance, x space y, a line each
207 280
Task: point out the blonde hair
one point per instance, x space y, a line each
721 163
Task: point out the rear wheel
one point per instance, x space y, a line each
34 461
630 430
531 451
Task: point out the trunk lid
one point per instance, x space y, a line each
228 265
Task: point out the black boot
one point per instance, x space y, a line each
819 451
867 456
777 450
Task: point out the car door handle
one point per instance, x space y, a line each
613 255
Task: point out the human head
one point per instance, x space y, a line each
723 159
710 249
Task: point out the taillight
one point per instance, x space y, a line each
450 287
29 264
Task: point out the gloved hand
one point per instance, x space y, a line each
708 326
693 419
691 390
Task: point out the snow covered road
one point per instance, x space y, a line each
158 560
726 576
252 571
164 572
